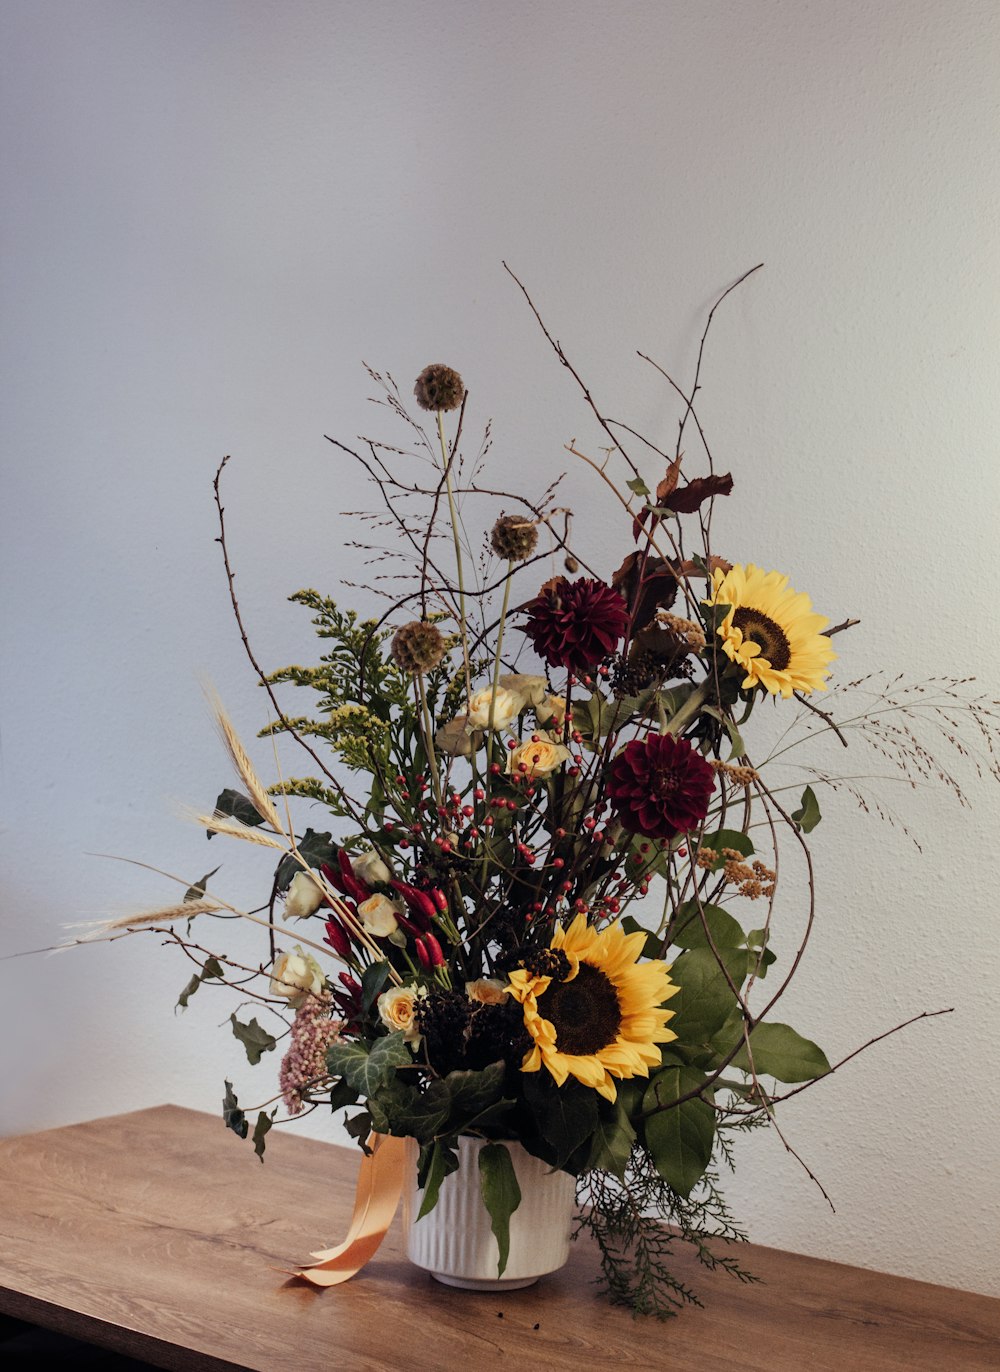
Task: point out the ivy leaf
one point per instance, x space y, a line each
235 805
232 1116
196 891
211 969
471 1093
254 1039
436 1162
501 1195
359 1127
373 980
342 1095
368 1071
314 850
261 1128
807 816
637 486
402 1110
679 1137
778 1051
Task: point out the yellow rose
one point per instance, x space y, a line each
540 759
304 897
378 915
487 990
397 1010
506 709
296 976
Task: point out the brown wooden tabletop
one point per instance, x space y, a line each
158 1234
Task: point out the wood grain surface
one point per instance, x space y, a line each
160 1235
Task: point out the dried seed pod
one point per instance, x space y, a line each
418 646
439 388
514 538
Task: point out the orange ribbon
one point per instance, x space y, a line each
376 1198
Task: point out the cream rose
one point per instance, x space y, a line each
531 689
378 915
304 897
370 868
397 1009
508 706
296 976
540 759
486 990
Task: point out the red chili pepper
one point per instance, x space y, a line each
337 938
439 898
419 903
434 950
352 985
356 889
423 955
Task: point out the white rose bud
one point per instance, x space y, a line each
378 915
371 869
304 897
296 976
397 1010
551 710
507 706
539 759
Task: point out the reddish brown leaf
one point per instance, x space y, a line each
687 499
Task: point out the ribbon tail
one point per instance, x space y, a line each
376 1199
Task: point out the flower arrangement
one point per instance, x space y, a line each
515 758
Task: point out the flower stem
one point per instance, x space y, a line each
453 515
683 717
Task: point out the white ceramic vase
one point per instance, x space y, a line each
455 1242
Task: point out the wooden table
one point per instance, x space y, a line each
158 1233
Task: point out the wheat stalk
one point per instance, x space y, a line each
164 915
262 802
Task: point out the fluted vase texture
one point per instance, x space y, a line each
455 1242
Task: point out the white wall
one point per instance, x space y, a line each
213 212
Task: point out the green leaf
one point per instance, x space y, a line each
690 931
727 838
196 891
436 1163
611 1146
637 486
501 1195
807 816
253 1038
367 1071
737 747
653 947
373 980
261 1128
679 1137
235 805
211 969
778 1051
705 1000
566 1115
233 1117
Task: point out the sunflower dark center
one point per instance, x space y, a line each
584 1011
770 637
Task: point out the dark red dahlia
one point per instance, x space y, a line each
575 624
660 786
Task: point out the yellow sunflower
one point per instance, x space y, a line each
598 1015
771 631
